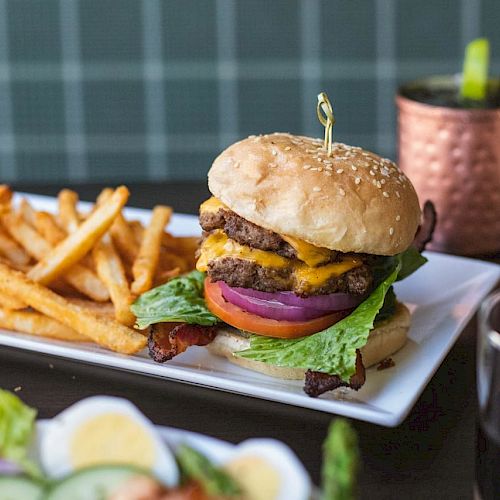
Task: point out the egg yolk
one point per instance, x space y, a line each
256 477
111 438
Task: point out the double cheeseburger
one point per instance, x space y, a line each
295 241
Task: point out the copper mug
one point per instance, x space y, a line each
452 156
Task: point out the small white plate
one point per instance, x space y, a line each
216 450
443 296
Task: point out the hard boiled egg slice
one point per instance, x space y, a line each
266 469
105 430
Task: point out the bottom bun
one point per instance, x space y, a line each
388 337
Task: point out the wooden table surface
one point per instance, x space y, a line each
430 455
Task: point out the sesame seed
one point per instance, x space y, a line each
379 185
314 169
340 170
372 172
306 167
274 152
236 164
320 169
288 148
382 181
397 194
398 217
354 167
327 173
342 192
391 231
329 167
316 189
17 389
357 180
386 194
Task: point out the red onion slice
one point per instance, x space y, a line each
327 303
272 309
8 468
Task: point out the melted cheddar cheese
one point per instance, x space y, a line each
218 245
212 205
313 256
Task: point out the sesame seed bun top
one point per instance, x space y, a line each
351 201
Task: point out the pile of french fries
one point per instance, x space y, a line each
73 276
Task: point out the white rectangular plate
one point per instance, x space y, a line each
443 296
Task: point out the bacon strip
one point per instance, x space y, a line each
317 383
167 340
426 229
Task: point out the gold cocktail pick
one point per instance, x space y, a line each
325 116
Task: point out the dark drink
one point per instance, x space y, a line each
487 465
445 92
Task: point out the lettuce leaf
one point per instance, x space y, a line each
180 300
411 259
340 462
17 422
332 350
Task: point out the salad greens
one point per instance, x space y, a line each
195 466
16 431
179 300
340 462
411 260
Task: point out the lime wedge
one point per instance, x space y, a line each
475 73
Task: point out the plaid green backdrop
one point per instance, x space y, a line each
120 90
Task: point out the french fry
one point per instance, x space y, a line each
78 244
27 212
124 239
10 249
68 216
81 278
105 332
5 195
162 277
44 223
104 196
111 271
37 324
122 235
20 267
138 230
149 252
169 260
11 302
106 309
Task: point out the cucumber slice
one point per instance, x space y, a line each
93 483
17 487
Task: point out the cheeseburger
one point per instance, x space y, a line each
295 269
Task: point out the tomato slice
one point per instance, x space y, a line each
237 317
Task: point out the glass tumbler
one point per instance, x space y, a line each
488 387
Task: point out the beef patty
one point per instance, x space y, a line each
247 233
247 274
